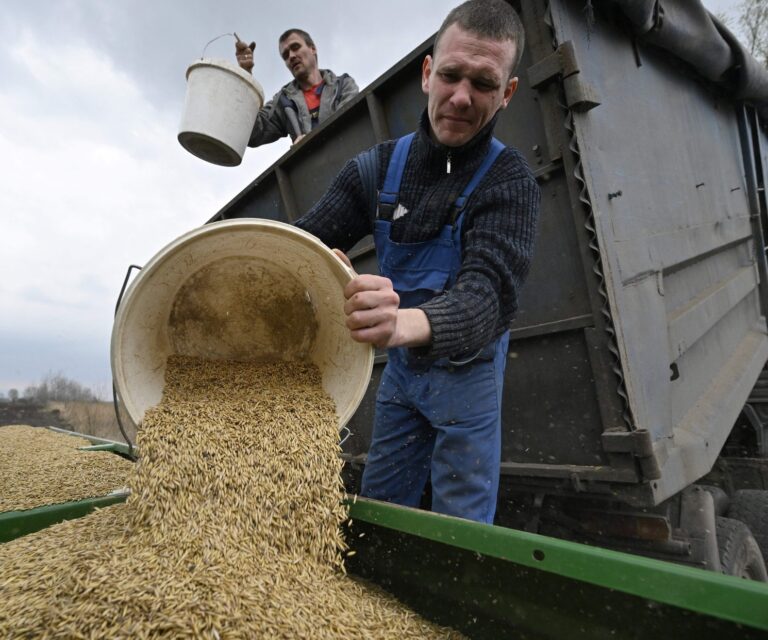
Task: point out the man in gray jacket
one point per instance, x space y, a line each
312 96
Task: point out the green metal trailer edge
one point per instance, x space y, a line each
704 592
98 444
15 524
717 598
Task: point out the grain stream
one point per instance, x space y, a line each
232 529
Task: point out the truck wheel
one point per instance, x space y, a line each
739 554
751 507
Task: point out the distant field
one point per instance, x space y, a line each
92 418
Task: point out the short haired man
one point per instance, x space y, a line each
312 96
454 228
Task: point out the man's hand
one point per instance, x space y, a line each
244 54
343 257
374 315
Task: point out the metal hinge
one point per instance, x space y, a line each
637 443
580 95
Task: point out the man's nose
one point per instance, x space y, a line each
462 94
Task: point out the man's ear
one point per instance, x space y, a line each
509 91
426 72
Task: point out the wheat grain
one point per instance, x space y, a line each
232 529
42 467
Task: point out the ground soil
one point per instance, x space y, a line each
32 414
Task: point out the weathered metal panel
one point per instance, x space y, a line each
549 408
645 266
261 202
311 173
662 163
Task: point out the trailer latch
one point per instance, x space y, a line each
580 95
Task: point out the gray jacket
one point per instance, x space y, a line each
288 108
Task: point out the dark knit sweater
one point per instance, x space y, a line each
497 234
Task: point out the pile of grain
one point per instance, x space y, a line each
42 467
232 529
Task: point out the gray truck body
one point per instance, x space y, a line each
642 327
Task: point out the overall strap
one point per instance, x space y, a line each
391 190
493 153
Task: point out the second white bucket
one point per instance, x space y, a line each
220 110
247 289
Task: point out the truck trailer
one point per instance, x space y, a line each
634 408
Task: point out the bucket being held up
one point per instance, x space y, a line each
220 110
244 290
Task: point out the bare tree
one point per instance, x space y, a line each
752 24
13 395
57 387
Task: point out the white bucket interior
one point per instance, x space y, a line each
220 110
241 290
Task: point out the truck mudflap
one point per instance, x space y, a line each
494 582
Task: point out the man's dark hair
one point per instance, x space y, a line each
490 19
298 32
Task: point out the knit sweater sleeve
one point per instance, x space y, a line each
340 217
498 237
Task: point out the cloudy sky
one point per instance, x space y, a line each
92 177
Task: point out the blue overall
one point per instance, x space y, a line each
444 418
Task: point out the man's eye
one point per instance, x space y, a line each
449 77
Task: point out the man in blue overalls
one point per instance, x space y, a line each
454 222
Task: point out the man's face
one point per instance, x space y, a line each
299 57
467 83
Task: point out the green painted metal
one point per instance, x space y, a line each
108 445
482 579
114 447
14 524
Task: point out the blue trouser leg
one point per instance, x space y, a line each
401 448
465 409
465 467
446 420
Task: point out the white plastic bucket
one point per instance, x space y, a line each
246 290
219 112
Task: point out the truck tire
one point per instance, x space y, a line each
750 506
739 554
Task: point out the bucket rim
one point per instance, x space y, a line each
226 65
335 264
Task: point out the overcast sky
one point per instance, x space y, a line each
93 179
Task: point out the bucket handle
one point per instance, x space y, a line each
234 35
125 284
114 390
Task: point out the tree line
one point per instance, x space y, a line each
55 387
